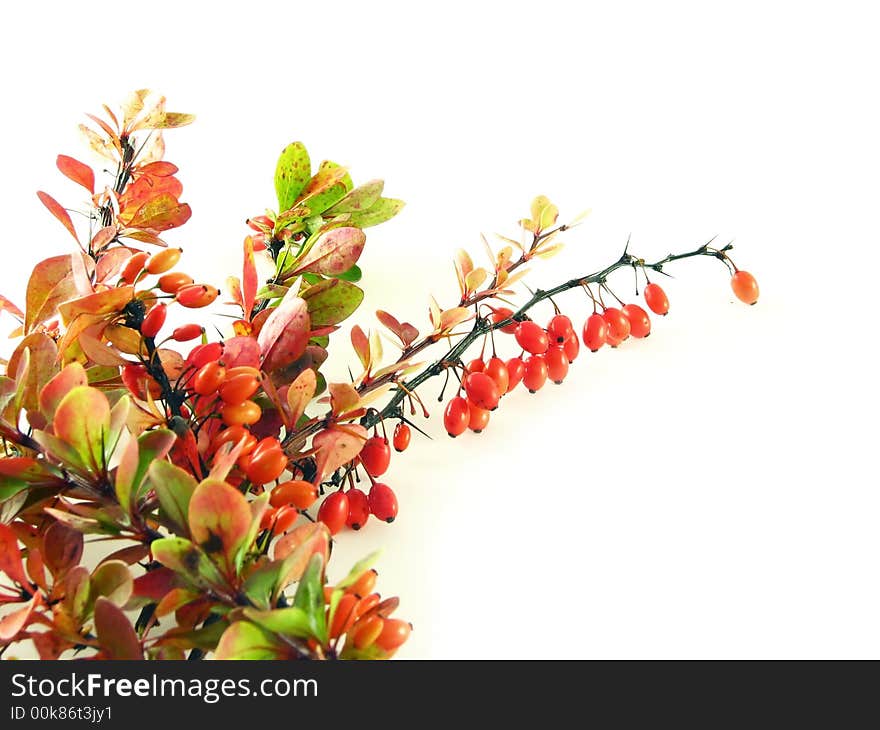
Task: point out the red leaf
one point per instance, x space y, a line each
285 334
8 306
161 214
62 548
154 584
17 620
249 277
159 168
10 556
241 350
77 171
116 635
335 252
55 209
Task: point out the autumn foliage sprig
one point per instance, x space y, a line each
224 467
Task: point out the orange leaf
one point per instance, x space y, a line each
10 556
54 391
14 622
301 391
219 518
58 211
77 171
249 278
361 344
336 447
8 306
343 397
161 214
102 302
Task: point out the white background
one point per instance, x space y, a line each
709 492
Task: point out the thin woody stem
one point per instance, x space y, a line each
295 440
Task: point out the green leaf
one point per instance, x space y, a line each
332 301
174 487
326 188
219 519
293 171
115 633
382 210
185 559
244 640
291 621
136 459
353 274
361 198
114 581
310 597
260 584
77 590
82 421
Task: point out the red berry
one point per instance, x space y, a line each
333 511
656 299
639 321
618 326
238 388
203 354
476 365
383 502
283 519
515 370
208 378
154 320
402 436
745 287
266 465
456 416
595 332
358 509
572 347
376 456
535 373
557 364
482 391
479 418
196 296
559 329
187 332
497 370
499 315
532 338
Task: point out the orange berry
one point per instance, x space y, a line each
246 413
174 282
163 261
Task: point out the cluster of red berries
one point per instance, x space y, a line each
353 507
548 351
364 618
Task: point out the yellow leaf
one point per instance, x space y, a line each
549 251
475 279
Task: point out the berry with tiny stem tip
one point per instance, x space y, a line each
333 511
358 509
515 370
196 296
383 502
745 287
375 456
187 332
559 329
402 436
456 416
154 320
163 261
595 332
174 282
618 326
208 378
299 493
479 418
247 413
572 347
532 338
656 299
394 634
499 315
364 585
482 391
496 369
535 373
557 364
639 321
238 388
203 354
